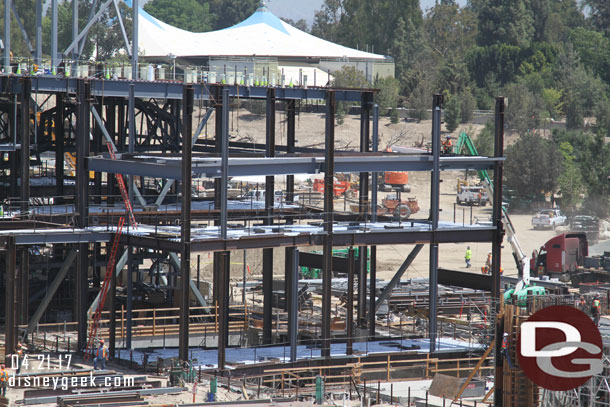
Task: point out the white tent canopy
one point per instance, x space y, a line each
261 35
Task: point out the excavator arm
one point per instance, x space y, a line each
465 142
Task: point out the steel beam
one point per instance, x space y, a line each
362 276
51 290
465 279
25 144
173 90
169 167
82 206
396 278
223 307
290 144
372 290
254 241
327 271
224 164
59 143
435 180
349 309
87 27
185 223
497 247
120 18
269 203
292 299
24 33
113 309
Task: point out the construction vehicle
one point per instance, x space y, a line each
315 273
343 185
566 258
393 205
391 180
524 290
465 142
472 195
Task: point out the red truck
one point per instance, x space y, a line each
566 257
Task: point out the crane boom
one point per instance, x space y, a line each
464 141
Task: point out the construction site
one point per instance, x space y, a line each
236 255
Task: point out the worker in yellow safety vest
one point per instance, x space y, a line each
101 356
3 380
468 256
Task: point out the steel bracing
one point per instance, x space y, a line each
151 127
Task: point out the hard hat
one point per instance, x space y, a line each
448 137
101 341
505 333
489 252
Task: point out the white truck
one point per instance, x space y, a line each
549 218
472 195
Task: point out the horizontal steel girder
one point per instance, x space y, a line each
173 90
170 168
388 237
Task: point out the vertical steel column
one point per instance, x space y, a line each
38 58
111 128
349 323
497 208
14 155
75 31
131 265
113 307
434 210
10 305
82 207
24 130
327 253
290 146
185 227
269 202
7 36
222 263
292 292
365 126
218 119
135 43
223 307
59 143
53 34
224 176
497 246
373 259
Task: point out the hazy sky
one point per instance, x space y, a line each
297 9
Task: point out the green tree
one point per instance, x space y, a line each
407 47
532 165
523 111
484 142
104 37
230 12
347 77
570 180
450 29
600 14
300 24
387 97
594 51
326 21
452 113
189 15
468 104
504 22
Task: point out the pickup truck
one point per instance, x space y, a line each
472 195
549 218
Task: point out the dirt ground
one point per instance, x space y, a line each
310 133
